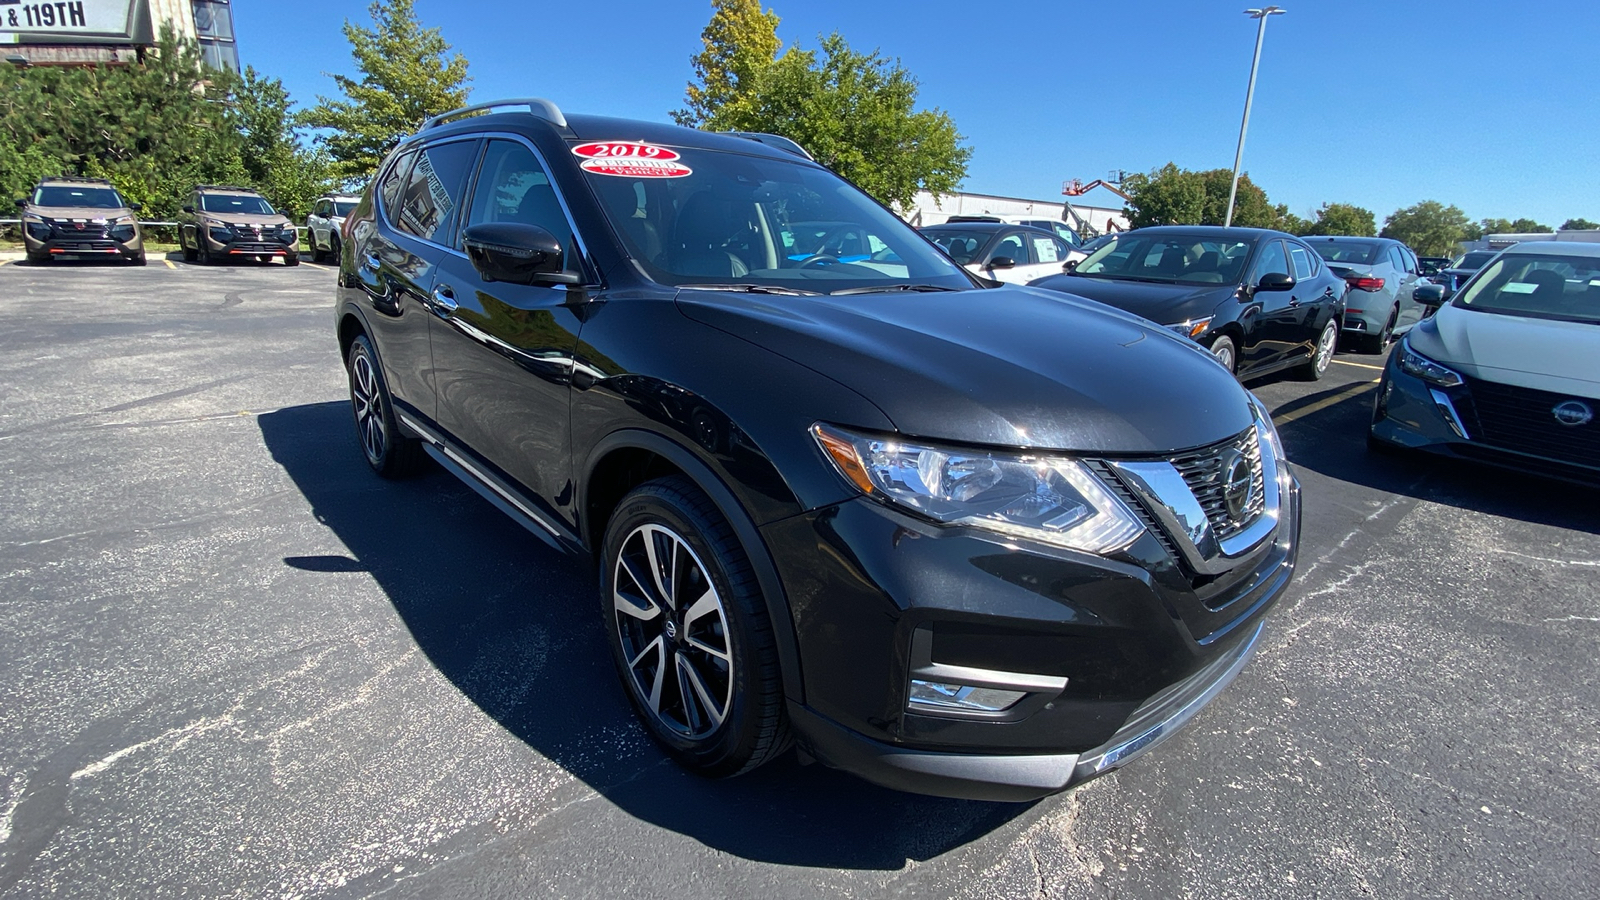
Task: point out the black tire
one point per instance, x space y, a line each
292 259
38 259
753 729
389 453
318 255
1226 352
139 260
1321 354
333 248
1377 343
203 251
189 253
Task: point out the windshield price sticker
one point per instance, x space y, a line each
630 159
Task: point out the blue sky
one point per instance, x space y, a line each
1486 106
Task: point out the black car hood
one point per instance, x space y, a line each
1008 366
1163 304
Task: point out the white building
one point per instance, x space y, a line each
928 209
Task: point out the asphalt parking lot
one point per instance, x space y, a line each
234 663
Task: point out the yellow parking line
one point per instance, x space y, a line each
1325 402
1346 362
169 263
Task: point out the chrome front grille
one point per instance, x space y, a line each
1202 470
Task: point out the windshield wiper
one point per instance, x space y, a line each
880 289
750 289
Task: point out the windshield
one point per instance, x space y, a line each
342 208
1473 260
240 204
1174 258
714 217
1347 251
91 197
1537 286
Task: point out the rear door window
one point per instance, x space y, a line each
393 180
1304 264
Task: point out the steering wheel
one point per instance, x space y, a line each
816 259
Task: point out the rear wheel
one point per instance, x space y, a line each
1226 353
1377 343
388 452
333 248
138 260
317 253
190 254
689 631
1321 354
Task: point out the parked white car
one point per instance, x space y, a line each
1015 254
325 223
1504 373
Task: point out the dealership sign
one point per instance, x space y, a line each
68 18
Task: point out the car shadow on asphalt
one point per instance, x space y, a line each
1332 441
470 584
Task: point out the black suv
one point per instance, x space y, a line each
966 540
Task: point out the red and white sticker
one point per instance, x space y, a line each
630 159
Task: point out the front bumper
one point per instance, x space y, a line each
1119 652
91 241
250 244
1458 422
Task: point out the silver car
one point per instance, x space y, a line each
325 223
1383 276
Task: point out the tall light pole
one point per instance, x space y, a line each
1249 95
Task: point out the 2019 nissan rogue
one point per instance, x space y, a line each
960 539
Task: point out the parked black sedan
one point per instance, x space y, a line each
1260 300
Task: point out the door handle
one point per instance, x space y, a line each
371 263
1294 301
444 300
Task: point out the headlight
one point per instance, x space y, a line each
1192 328
1419 366
38 226
123 220
220 233
1046 498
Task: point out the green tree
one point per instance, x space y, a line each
1579 225
273 157
1430 228
855 112
407 75
1344 219
1173 196
739 42
1513 226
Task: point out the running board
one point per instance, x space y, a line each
489 488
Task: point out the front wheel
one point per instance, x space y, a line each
689 631
1321 355
138 260
292 259
1226 353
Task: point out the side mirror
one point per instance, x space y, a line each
1070 265
517 253
189 209
1275 281
1001 262
21 203
136 206
1429 295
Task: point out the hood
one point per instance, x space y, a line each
1163 304
1543 354
244 219
76 212
1007 366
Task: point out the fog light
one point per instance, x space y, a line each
943 695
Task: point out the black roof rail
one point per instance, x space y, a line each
225 187
538 106
79 179
773 140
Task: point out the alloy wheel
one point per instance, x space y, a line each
367 403
1325 345
673 631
